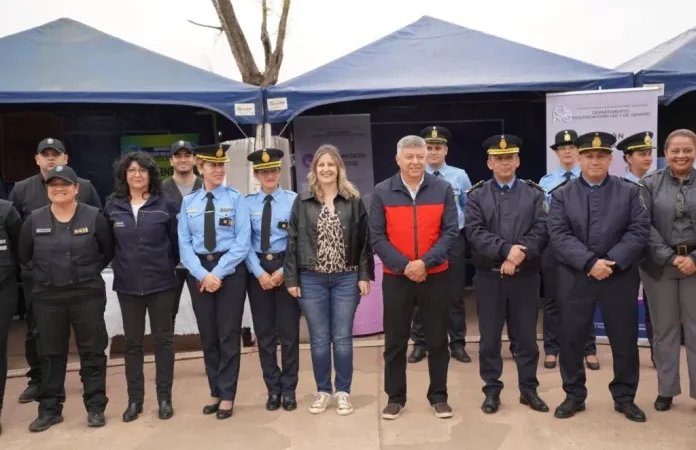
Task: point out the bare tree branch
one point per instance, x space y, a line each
207 26
265 38
273 70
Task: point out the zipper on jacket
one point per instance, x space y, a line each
415 226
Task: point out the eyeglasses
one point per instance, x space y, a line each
138 171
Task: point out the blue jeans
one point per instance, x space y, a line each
329 302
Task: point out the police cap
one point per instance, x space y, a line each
502 144
564 138
638 141
268 158
63 172
596 140
436 135
55 144
214 153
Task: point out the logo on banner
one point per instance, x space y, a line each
562 114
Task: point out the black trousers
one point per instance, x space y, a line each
54 318
456 327
276 315
514 298
8 305
577 299
400 296
552 318
159 307
219 318
30 341
183 278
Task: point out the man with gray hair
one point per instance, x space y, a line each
413 224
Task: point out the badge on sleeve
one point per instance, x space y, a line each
225 222
642 201
545 206
283 225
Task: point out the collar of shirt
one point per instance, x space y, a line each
509 184
217 192
631 176
687 179
594 184
442 169
420 183
575 171
275 194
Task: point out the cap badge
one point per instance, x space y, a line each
181 143
219 152
49 141
59 168
596 142
434 133
265 157
648 139
566 137
503 143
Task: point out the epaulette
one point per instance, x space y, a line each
631 181
533 184
562 184
476 186
250 194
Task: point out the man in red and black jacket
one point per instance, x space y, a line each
413 224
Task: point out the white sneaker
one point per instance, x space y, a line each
322 400
344 407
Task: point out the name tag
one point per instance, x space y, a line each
192 211
83 230
256 213
225 209
225 222
283 225
119 224
43 231
3 248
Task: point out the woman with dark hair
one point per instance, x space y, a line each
144 223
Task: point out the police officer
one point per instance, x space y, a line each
506 229
272 307
68 244
599 226
10 225
184 181
28 195
567 153
638 154
437 138
214 240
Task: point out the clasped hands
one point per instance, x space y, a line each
272 281
685 265
515 257
602 269
415 271
210 283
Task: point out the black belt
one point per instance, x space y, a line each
683 249
211 256
271 256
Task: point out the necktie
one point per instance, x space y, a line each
567 175
436 173
506 188
209 224
266 225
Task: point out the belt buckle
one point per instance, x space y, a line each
269 257
210 257
682 250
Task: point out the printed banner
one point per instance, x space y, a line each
159 145
351 134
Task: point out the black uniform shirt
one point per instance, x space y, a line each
13 225
30 194
102 233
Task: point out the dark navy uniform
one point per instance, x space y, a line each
69 291
588 222
275 312
460 182
214 237
500 215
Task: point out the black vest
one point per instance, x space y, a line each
66 258
6 257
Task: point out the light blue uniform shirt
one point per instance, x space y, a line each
553 179
509 184
460 183
631 176
281 205
235 238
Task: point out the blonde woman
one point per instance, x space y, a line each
328 266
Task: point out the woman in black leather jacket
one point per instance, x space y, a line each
328 266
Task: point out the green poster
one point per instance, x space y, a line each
159 146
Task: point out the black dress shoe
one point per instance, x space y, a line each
533 400
132 412
417 355
96 419
29 394
591 365
461 355
491 404
550 363
568 408
663 403
289 403
43 423
631 411
211 409
223 414
273 402
166 410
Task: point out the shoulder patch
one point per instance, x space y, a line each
561 184
631 181
476 186
533 184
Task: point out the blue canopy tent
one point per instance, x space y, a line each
434 57
672 63
65 61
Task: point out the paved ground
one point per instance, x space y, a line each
514 428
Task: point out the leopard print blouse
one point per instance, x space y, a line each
331 251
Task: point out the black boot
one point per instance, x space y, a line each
29 394
132 412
